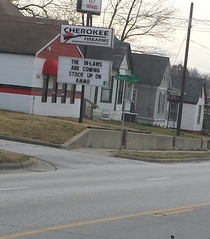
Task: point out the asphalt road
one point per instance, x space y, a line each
99 197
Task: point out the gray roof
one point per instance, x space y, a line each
8 9
193 87
115 54
25 35
149 68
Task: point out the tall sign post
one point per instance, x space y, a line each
89 71
83 87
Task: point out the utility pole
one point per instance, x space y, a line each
184 72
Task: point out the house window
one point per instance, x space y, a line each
164 77
161 104
73 92
63 94
120 92
106 93
54 90
173 112
134 100
45 88
199 114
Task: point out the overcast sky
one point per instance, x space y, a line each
199 51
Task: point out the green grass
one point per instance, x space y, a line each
156 130
165 154
9 157
59 130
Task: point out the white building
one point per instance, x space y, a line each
29 53
109 102
193 104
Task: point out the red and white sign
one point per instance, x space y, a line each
93 6
91 36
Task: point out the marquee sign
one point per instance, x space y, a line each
92 6
92 36
83 71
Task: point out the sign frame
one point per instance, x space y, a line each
92 6
128 78
89 36
84 71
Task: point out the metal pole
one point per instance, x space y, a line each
89 19
123 117
184 73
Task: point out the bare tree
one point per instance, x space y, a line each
178 70
130 19
195 73
150 50
57 9
136 18
207 77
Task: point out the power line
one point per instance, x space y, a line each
180 49
200 45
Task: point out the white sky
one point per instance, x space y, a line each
199 50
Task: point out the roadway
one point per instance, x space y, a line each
98 197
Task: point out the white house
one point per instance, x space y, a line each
29 53
109 101
153 90
193 105
29 50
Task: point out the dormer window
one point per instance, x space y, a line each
164 77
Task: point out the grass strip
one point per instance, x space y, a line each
10 157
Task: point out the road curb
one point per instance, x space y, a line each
28 165
42 161
152 160
30 162
29 141
12 166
